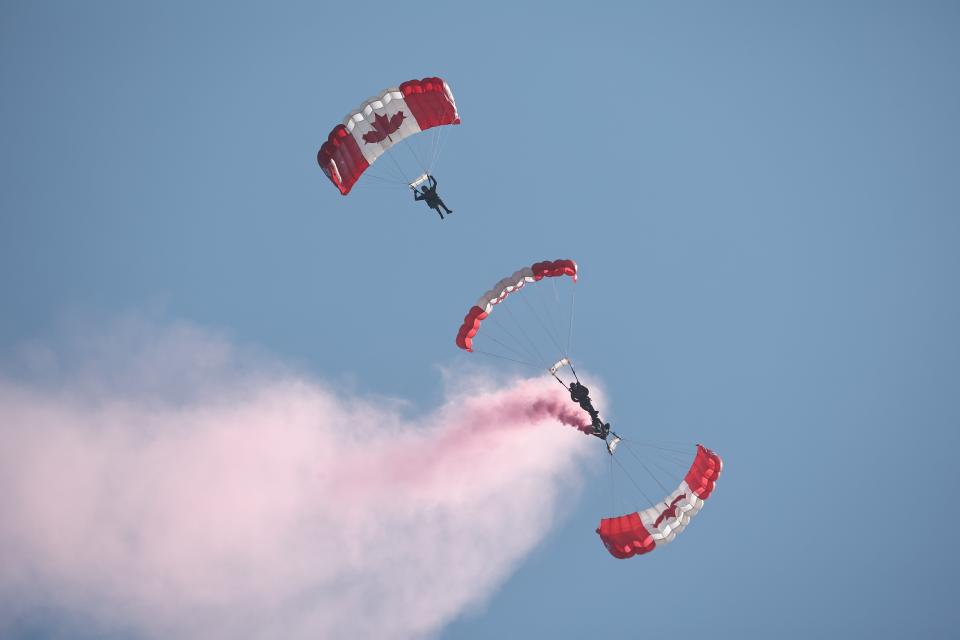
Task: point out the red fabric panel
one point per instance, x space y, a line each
703 474
341 159
550 269
625 536
469 328
429 103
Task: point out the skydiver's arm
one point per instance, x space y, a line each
433 182
417 195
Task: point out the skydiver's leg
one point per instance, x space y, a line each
597 428
445 207
437 209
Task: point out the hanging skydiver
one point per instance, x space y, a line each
581 395
429 194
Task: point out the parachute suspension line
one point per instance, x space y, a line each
394 189
431 158
519 343
435 146
573 301
613 501
676 446
634 482
550 306
647 443
540 358
673 476
414 154
494 355
574 372
668 456
391 182
395 175
672 459
399 168
511 350
376 186
549 303
543 326
647 469
443 135
514 350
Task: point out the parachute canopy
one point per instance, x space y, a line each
530 330
642 531
381 122
503 288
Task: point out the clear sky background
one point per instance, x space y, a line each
762 198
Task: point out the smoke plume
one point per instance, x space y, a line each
160 484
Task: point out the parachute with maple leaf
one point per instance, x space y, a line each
387 119
535 329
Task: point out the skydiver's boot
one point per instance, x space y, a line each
598 428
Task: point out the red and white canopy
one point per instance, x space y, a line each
503 288
643 531
382 121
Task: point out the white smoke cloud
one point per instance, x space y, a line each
172 487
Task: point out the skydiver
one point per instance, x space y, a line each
430 195
581 395
601 429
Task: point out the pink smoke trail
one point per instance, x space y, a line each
264 505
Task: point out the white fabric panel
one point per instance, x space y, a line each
669 528
361 121
503 288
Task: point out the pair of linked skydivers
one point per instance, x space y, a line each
581 395
430 196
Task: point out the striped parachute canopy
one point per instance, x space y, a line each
643 531
511 284
382 121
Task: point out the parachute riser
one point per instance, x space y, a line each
612 442
419 181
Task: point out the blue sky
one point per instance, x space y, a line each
762 198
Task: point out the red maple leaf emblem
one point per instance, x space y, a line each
383 127
671 511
